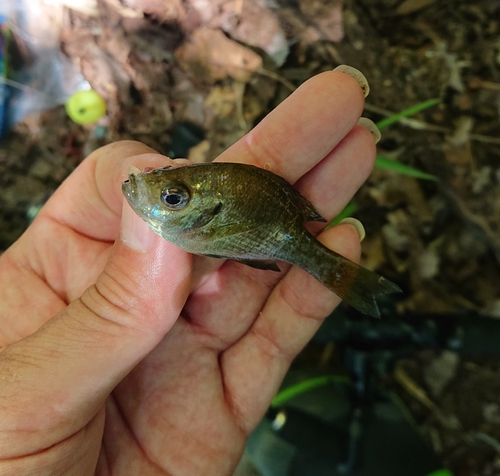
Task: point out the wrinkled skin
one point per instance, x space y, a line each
131 356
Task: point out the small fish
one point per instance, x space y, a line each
247 214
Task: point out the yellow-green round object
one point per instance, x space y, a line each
86 107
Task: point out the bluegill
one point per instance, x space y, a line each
247 214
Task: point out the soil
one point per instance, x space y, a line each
168 81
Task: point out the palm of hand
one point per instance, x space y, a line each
206 383
190 353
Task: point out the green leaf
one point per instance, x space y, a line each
407 112
305 386
349 209
388 164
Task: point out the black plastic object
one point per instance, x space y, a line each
387 445
467 334
184 136
356 427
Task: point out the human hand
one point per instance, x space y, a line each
126 355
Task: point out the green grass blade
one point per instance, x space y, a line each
408 112
441 472
349 209
288 393
384 163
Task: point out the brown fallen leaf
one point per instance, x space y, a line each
326 15
198 153
373 252
253 23
441 371
211 56
164 12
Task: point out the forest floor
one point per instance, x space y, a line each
191 77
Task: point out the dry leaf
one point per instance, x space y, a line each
211 56
198 153
252 23
326 17
163 11
441 371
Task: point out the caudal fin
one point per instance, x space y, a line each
356 285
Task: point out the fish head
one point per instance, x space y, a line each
173 201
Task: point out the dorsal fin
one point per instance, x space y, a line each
304 206
310 214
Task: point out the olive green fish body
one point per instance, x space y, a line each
248 214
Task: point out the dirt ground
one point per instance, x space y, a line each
169 81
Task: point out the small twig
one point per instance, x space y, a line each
412 387
277 77
486 139
489 85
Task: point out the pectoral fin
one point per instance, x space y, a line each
267 265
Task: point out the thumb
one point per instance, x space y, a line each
57 379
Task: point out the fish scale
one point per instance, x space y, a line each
251 215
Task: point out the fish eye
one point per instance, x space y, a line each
175 197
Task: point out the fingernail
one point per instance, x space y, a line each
182 162
358 226
357 75
371 127
134 231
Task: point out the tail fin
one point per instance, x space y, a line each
358 286
354 284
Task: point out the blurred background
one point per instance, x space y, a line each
190 77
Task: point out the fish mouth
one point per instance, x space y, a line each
129 189
135 192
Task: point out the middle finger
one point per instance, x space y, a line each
302 130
